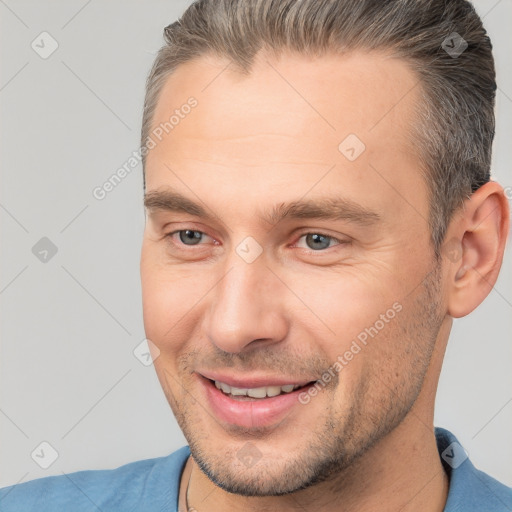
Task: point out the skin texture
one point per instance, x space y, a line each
365 442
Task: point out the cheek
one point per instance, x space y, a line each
345 304
171 300
373 359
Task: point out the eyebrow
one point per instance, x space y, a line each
325 208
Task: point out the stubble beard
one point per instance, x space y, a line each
380 404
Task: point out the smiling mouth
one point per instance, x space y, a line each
253 394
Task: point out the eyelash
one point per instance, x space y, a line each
308 251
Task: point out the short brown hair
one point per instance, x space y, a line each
455 126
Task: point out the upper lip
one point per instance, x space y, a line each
255 381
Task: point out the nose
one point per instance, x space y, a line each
247 307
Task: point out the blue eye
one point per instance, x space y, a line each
189 236
318 241
315 242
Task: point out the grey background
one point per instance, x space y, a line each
69 326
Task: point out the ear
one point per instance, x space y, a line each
474 247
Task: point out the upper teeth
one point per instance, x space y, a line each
256 392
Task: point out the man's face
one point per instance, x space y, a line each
253 301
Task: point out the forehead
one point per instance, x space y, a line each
287 120
366 93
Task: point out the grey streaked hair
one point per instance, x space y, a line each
455 124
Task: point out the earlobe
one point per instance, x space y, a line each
475 247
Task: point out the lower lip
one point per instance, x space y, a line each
257 413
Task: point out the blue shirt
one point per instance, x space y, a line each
152 485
